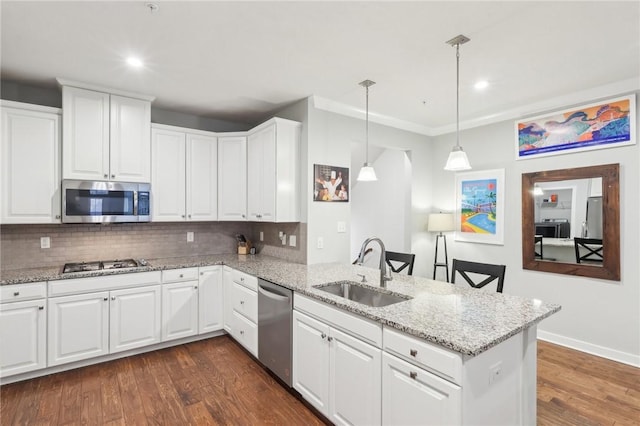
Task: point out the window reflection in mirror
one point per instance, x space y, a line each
570 221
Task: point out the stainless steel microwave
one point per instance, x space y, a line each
105 202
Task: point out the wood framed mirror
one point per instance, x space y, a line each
561 232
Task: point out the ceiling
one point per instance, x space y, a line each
242 61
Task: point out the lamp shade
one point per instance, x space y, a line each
440 222
457 160
367 174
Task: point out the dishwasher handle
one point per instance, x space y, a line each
270 293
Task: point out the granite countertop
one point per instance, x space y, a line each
462 319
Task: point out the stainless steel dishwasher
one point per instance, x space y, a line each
275 304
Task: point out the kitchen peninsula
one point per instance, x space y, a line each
480 346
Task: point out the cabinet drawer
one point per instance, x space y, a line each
18 292
363 329
245 332
176 275
107 282
446 364
245 302
249 281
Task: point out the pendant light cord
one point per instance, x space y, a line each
458 95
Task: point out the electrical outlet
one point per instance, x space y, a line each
495 371
189 237
320 243
261 236
342 227
45 242
292 240
284 239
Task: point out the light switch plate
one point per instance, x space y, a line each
292 240
45 242
189 237
320 243
261 236
342 227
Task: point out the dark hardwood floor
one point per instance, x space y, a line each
216 382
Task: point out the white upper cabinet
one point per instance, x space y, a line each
105 136
232 178
30 164
273 150
184 175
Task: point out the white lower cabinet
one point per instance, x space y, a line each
210 299
135 318
227 283
23 336
78 327
336 373
413 396
179 310
243 318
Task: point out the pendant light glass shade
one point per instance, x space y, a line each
367 174
457 158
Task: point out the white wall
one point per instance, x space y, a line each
329 139
597 316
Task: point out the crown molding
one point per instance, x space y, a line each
622 87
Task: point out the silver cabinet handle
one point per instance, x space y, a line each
16 293
413 352
413 374
323 335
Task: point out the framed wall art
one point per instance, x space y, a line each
605 124
330 183
479 214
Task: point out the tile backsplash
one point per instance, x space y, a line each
20 244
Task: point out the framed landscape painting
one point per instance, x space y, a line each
604 124
479 215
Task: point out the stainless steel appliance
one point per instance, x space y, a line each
275 305
593 223
99 265
105 202
553 228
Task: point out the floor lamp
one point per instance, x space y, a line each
441 222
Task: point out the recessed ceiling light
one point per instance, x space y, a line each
482 84
134 62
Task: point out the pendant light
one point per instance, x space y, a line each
367 174
457 158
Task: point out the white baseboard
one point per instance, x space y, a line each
590 348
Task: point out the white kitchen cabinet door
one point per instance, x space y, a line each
202 177
168 190
85 132
23 336
179 310
232 178
227 282
130 140
210 299
413 396
311 361
135 318
355 381
30 166
273 151
261 175
78 327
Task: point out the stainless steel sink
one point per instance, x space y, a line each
369 296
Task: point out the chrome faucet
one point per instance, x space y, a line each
385 274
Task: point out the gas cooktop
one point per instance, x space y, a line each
99 265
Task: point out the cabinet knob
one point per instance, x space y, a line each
329 338
195 286
181 276
323 335
113 298
242 279
41 308
242 302
413 352
241 331
106 176
413 374
105 299
189 216
201 273
183 216
57 216
16 293
113 176
243 216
